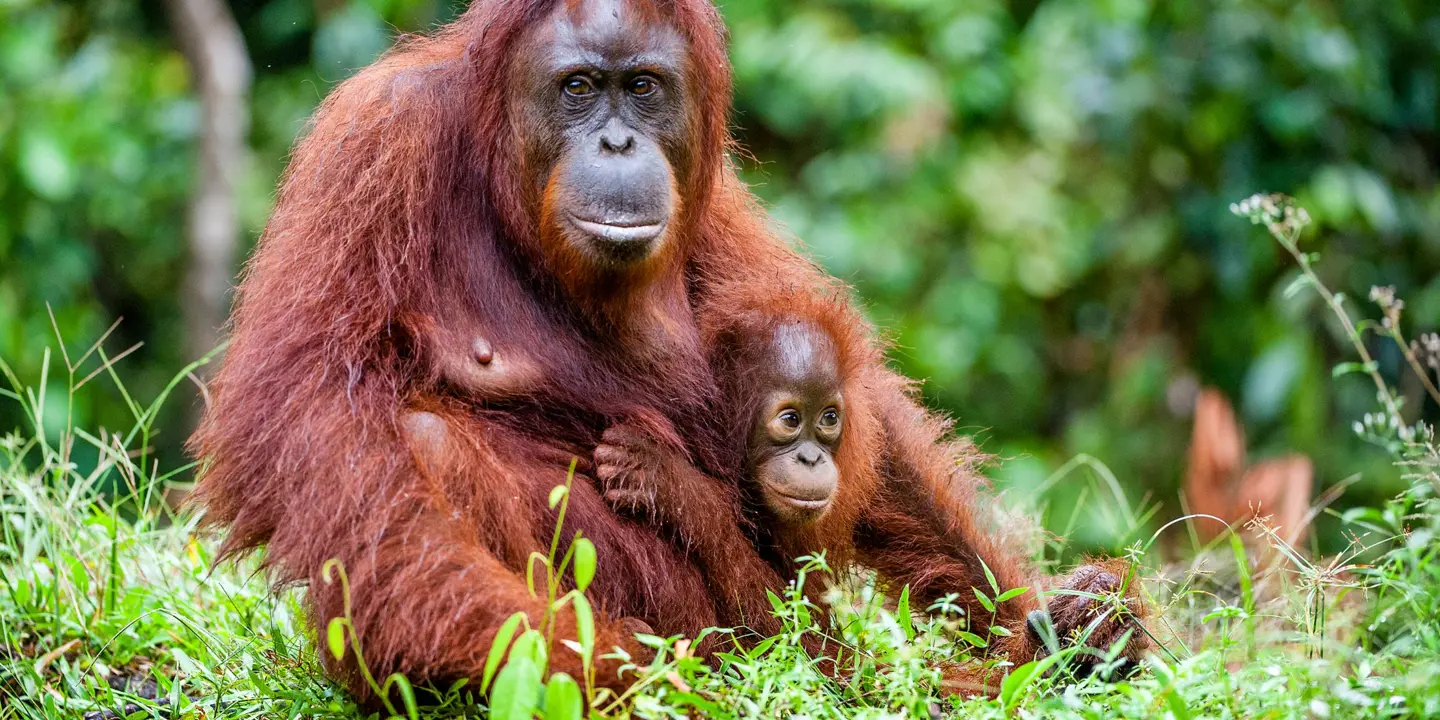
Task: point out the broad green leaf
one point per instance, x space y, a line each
530 645
557 494
562 698
517 690
498 648
335 637
902 614
584 563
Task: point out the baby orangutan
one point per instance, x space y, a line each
786 412
786 403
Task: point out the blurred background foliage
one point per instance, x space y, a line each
1029 196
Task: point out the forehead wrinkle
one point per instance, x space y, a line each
598 32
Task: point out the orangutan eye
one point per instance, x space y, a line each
830 418
790 419
643 85
578 86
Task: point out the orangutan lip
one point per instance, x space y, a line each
642 232
805 503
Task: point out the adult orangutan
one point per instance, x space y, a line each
488 248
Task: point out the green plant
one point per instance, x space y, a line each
522 689
1406 576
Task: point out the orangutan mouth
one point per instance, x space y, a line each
624 232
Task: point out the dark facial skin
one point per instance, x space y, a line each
603 114
798 425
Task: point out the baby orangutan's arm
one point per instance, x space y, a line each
645 477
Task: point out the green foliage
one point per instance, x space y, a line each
1406 616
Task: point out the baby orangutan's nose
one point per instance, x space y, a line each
808 455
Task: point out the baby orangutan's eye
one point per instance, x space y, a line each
830 418
790 419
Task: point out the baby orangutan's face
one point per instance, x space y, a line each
798 425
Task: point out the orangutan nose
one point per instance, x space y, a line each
809 455
617 139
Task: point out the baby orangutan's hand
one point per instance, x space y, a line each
1119 610
630 465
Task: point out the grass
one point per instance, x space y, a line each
109 600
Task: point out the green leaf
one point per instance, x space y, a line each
1177 705
531 646
707 708
498 648
335 637
990 577
562 698
584 563
557 494
22 593
998 630
973 639
1020 678
763 646
1011 594
79 577
902 614
1228 612
984 601
407 694
585 627
517 690
775 602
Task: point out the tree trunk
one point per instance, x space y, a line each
211 41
